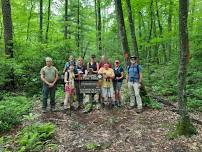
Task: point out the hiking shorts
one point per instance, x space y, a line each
117 86
107 92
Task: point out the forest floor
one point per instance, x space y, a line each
119 130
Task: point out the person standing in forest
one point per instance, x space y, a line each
117 81
106 84
49 77
67 64
81 72
134 79
69 87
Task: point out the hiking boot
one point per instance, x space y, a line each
139 111
53 109
44 111
131 107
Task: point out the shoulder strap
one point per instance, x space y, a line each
138 70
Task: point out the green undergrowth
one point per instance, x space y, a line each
161 80
11 111
35 137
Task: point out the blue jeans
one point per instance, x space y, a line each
46 91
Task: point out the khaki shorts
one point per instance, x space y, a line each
107 92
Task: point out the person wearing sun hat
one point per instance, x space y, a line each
134 79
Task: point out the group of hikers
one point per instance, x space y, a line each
111 79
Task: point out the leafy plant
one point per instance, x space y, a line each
34 137
11 111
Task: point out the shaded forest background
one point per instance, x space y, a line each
59 28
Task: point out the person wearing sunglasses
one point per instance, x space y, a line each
117 81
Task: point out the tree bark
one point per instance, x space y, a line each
99 26
8 30
184 126
161 32
78 26
66 18
41 21
48 20
122 30
29 18
132 28
170 28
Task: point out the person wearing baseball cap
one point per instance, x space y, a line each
134 79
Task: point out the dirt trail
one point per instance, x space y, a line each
119 130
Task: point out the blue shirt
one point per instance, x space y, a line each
133 75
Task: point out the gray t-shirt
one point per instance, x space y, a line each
49 73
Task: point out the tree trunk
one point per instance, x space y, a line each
161 32
41 21
8 30
96 23
48 20
184 126
78 26
122 30
65 17
170 28
99 26
132 28
29 18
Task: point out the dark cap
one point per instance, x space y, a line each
133 57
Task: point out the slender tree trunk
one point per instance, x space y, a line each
78 26
132 28
170 28
184 126
1 28
29 18
96 23
161 32
99 26
122 30
48 20
8 30
66 18
192 15
41 21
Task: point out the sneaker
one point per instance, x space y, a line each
139 111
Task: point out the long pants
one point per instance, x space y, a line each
79 95
134 93
46 91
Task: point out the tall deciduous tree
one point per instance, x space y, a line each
8 30
29 19
99 26
65 18
48 19
122 30
78 25
132 28
184 126
41 20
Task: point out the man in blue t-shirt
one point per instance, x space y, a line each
134 79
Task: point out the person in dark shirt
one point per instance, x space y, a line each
92 66
117 81
81 72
